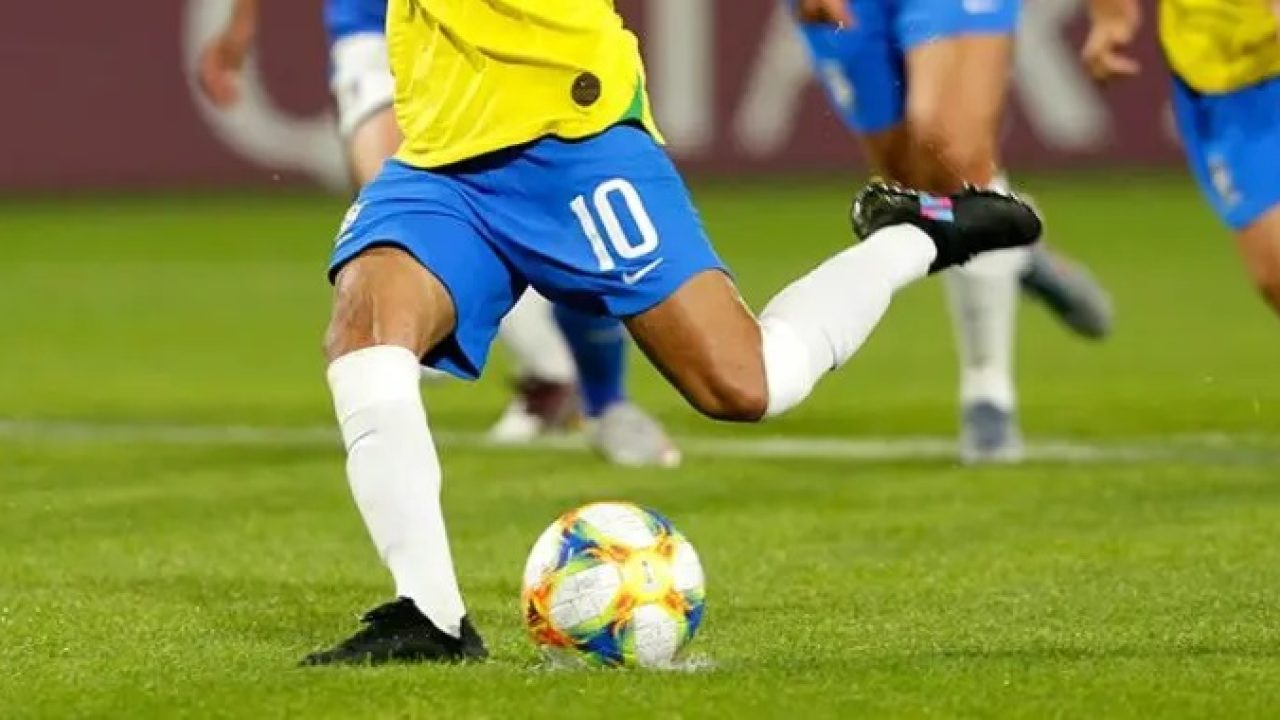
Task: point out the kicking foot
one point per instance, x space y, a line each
989 435
626 435
962 225
539 407
1069 291
399 632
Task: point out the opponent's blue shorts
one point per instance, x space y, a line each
604 225
1232 143
348 17
861 67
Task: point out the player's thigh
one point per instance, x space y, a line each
363 92
957 67
413 267
607 226
706 342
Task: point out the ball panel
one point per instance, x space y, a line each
694 610
580 601
544 555
605 647
686 568
657 636
619 524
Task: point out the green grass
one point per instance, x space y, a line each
145 575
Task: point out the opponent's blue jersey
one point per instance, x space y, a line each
347 17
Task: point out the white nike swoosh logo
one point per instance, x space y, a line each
632 278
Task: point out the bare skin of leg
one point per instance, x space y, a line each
370 144
385 297
1259 244
955 99
889 153
707 343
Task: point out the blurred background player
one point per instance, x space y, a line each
1225 62
923 84
546 398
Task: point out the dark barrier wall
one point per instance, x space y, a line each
98 95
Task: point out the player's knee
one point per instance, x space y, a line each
732 397
382 297
350 326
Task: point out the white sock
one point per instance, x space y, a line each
536 344
818 322
983 296
395 475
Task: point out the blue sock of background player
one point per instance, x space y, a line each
599 347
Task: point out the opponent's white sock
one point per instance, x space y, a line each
538 348
983 297
818 322
395 475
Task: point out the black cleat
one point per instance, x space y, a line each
399 632
962 225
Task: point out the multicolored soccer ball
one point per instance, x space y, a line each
613 585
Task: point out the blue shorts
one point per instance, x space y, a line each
862 67
348 17
1232 143
604 225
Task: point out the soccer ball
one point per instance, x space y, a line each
612 584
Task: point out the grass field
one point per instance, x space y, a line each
177 530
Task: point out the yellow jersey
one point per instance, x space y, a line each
1218 46
475 76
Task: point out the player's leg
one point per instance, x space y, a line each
955 99
862 70
546 397
413 281
629 243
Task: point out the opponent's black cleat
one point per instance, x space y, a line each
399 632
962 225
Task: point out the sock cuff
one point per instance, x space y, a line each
372 375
